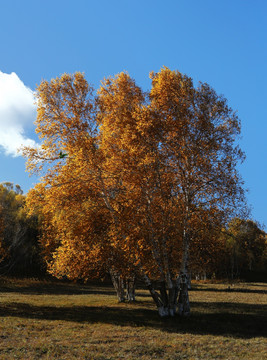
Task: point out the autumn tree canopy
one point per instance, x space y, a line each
130 180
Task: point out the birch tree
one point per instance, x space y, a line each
75 194
199 142
131 179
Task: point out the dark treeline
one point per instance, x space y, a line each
20 252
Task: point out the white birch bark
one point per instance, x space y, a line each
130 288
118 284
183 301
166 300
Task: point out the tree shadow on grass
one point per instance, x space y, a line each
59 289
216 321
67 289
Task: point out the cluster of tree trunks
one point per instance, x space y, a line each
124 286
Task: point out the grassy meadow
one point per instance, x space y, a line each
55 320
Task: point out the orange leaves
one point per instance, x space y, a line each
140 168
65 117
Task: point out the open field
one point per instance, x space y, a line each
52 320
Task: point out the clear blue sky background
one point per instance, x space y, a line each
223 43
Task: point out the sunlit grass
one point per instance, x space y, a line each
52 320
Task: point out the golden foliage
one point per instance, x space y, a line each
131 179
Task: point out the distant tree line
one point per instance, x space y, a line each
20 251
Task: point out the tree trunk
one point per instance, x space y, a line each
190 280
164 308
183 301
118 284
153 293
130 288
173 295
183 280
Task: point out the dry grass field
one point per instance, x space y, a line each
53 320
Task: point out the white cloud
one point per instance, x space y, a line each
17 112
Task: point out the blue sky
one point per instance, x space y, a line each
223 43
